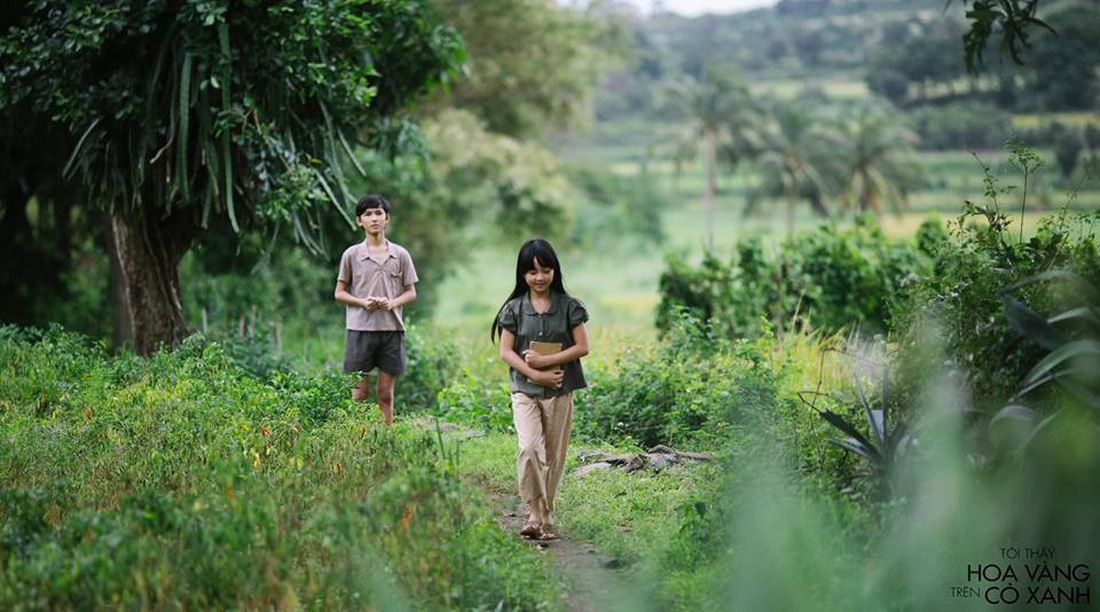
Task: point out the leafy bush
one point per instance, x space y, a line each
700 390
469 400
983 257
434 361
182 482
832 278
1072 339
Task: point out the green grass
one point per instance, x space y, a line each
629 517
179 482
838 88
1036 120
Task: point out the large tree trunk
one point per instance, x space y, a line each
146 249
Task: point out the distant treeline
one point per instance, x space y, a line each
911 52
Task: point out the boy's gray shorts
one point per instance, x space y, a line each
363 350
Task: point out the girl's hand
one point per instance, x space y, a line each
535 360
550 378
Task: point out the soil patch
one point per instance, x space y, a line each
595 582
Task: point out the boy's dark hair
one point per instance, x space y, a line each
371 201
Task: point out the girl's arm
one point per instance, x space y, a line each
578 350
546 378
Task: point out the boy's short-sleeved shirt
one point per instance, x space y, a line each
366 277
521 319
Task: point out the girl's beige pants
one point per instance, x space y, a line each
542 429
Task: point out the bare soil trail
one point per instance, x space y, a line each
594 582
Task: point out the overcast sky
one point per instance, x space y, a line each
698 7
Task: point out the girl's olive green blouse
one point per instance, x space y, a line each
519 317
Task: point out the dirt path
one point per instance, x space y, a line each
594 582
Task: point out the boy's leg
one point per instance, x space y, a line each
391 360
361 391
357 359
384 393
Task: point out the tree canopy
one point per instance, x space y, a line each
237 107
181 111
532 63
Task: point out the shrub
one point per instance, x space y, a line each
700 390
434 361
984 256
472 401
833 278
617 207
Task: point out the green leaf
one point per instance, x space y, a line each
350 154
1061 355
857 447
838 421
184 110
67 170
1038 430
332 198
223 39
1030 325
1015 412
1084 313
1091 293
1086 396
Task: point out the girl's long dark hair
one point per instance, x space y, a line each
533 249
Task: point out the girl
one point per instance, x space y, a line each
543 375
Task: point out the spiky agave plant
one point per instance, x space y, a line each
885 442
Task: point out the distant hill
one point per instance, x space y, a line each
795 38
910 51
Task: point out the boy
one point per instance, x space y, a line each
376 279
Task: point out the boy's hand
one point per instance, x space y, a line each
550 378
376 303
535 360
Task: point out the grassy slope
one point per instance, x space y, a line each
179 482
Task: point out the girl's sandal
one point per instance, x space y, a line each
531 529
548 533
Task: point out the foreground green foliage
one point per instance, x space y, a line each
179 481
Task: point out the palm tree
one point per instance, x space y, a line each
717 113
879 164
793 162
